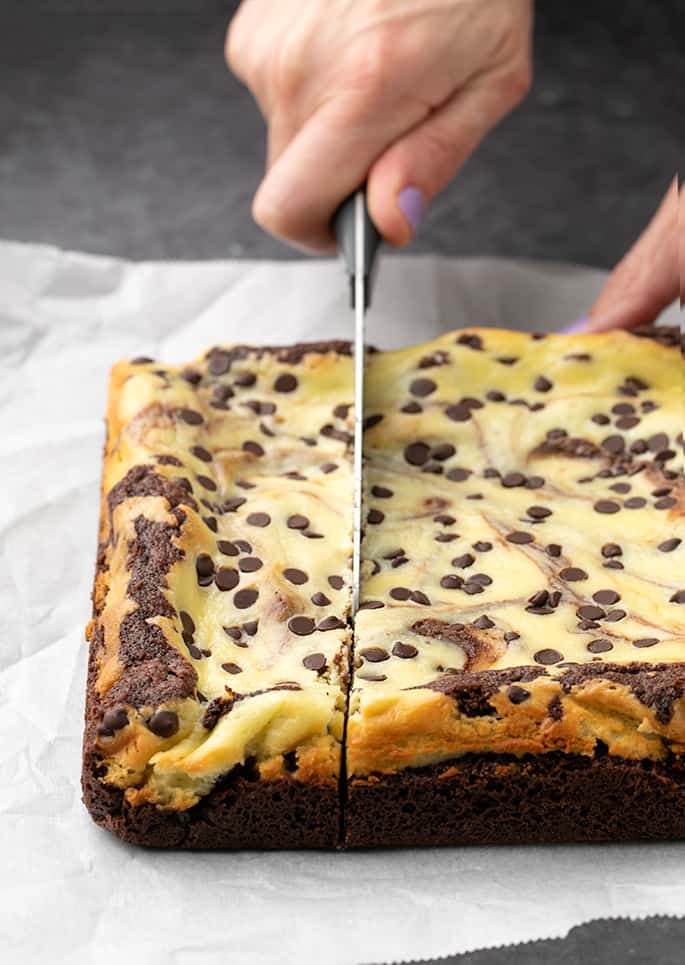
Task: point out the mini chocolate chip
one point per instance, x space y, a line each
253 447
534 482
451 582
315 661
302 626
472 588
336 582
371 605
461 412
381 492
328 467
204 565
458 475
511 635
404 650
422 387
483 546
645 642
298 577
234 633
231 668
444 519
250 627
678 597
400 593
627 422
611 549
519 537
417 453
259 519
669 545
657 442
245 598
163 723
245 379
464 561
589 612
494 395
666 502
613 616
331 623
553 549
419 597
481 578
600 646
543 384
541 598
547 656
539 512
572 574
226 578
635 502
187 622
320 599
517 694
297 521
375 516
250 564
371 676
234 503
114 719
613 565
201 453
286 382
191 417
513 479
606 597
620 487
606 506
483 623
411 408
614 444
207 483
600 419
374 654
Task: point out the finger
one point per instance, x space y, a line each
646 280
325 161
415 168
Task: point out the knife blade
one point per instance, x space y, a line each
358 241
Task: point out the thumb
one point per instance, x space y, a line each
416 167
646 280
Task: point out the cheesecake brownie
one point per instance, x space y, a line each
219 640
519 654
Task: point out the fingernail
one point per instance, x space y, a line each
575 327
411 204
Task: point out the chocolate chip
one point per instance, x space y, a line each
474 342
245 598
381 492
234 633
191 417
320 599
417 453
543 384
645 642
483 546
422 387
314 661
245 379
442 452
606 506
207 483
302 626
669 545
371 676
297 521
374 654
481 578
250 627
411 408
451 582
519 537
418 597
494 395
613 565
517 694
286 382
572 574
539 512
226 578
400 593
539 599
553 549
614 444
201 453
657 442
620 487
600 646
635 502
464 561
589 612
472 588
231 668
234 503
511 635
666 502
375 516
328 467
371 605
163 723
404 650
250 564
547 656
114 719
513 479
253 447
444 519
204 567
613 616
459 412
259 519
606 597
611 549
627 422
678 597
298 577
458 475
331 623
336 582
483 623
372 420
219 361
600 419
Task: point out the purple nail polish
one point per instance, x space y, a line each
575 327
411 204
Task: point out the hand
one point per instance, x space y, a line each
648 278
397 92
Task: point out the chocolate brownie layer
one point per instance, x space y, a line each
502 799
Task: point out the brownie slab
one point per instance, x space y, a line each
522 599
219 640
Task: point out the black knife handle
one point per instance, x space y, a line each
343 227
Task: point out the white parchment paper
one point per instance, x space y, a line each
70 892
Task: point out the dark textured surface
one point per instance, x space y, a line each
654 941
122 132
502 799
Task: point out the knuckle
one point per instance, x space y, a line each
519 80
370 62
288 69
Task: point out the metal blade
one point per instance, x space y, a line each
359 311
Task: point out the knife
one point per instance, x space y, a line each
358 241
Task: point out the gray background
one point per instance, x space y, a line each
121 131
